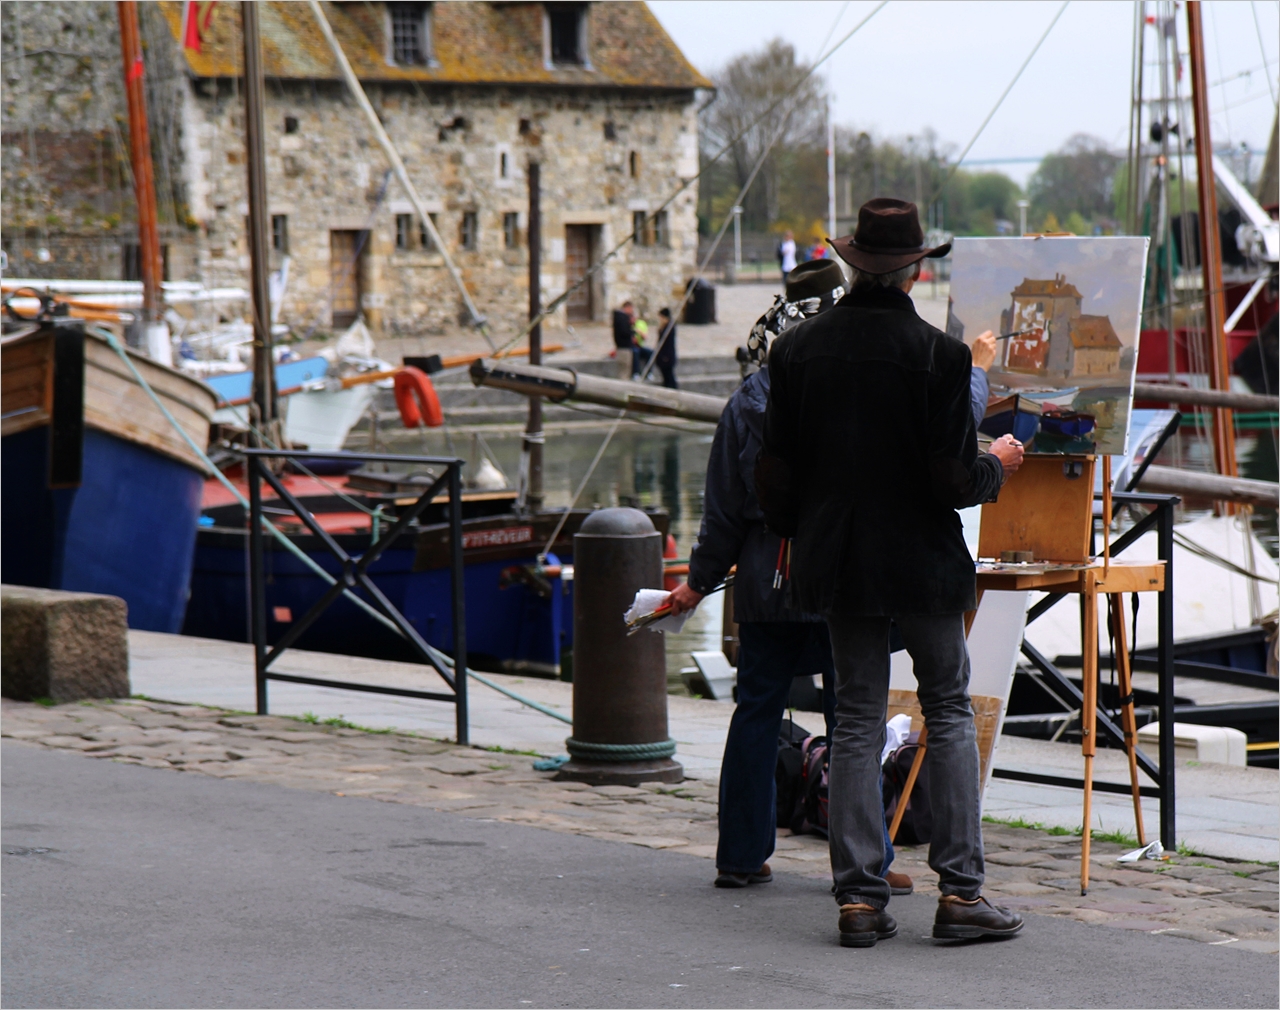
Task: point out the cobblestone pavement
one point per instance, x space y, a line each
1189 896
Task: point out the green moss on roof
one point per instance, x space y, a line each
475 42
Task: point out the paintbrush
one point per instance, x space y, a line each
1017 333
644 620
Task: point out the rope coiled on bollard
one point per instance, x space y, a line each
588 751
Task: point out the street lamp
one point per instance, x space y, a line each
737 238
1022 216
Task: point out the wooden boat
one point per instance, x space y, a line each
100 494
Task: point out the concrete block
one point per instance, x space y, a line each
63 646
1216 744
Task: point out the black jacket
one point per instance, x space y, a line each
667 347
623 329
869 449
733 530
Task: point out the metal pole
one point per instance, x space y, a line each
1165 659
257 587
1215 308
831 172
144 187
264 391
737 241
1022 216
459 601
533 437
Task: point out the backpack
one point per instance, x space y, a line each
788 772
810 816
917 822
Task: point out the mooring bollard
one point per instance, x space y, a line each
619 682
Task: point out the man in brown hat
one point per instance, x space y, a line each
869 450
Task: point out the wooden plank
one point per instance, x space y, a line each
115 403
1046 507
1131 577
26 387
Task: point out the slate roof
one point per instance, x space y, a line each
1095 332
474 42
1056 288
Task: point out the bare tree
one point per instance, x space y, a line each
745 87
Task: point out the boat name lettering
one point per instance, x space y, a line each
497 538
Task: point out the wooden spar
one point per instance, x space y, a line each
144 186
533 437
1215 311
264 373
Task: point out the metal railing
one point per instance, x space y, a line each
1161 520
355 576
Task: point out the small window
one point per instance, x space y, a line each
633 163
424 236
511 230
404 231
470 230
640 228
526 127
661 236
410 40
504 165
610 130
280 233
290 124
566 33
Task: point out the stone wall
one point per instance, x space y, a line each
605 154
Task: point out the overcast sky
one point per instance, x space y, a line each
942 65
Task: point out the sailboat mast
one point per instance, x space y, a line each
1215 312
144 186
264 385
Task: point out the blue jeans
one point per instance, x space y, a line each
639 360
941 659
770 656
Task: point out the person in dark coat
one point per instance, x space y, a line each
624 337
776 643
665 354
869 450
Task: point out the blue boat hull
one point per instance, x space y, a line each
128 530
511 628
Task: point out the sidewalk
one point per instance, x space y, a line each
1230 813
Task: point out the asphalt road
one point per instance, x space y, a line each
126 886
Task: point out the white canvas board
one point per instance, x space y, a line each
1074 307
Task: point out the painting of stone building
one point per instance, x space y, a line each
470 92
1068 312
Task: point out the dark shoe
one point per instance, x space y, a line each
899 883
862 925
969 920
764 875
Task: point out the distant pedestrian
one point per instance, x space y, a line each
666 349
640 354
624 328
787 254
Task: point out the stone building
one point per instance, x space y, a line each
470 92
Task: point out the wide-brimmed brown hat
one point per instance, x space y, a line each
814 278
888 238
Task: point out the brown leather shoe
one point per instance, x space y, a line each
862 925
957 919
899 883
764 875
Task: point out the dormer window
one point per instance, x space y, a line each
410 33
566 34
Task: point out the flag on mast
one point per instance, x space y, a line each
196 15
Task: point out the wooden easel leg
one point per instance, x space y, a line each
1127 718
1088 721
909 785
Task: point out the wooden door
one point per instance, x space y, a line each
346 250
578 257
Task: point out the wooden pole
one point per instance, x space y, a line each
1215 312
1128 721
1088 718
264 385
533 437
1106 515
144 186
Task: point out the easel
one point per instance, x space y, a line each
1041 528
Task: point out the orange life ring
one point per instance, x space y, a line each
416 399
